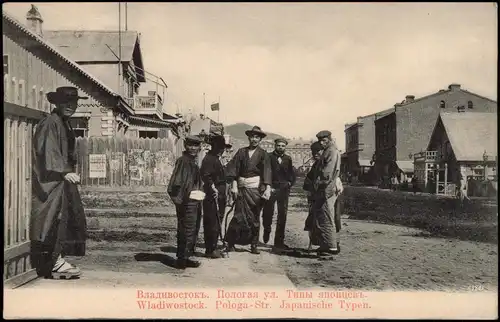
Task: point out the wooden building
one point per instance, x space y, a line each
32 68
405 131
463 146
116 58
356 162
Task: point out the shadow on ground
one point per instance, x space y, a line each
156 257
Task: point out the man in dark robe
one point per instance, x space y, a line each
184 188
215 188
250 173
58 225
283 178
324 203
311 187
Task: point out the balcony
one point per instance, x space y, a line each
151 104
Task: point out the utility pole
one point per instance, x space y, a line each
218 112
120 47
204 104
126 17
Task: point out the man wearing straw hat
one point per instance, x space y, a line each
184 190
58 225
250 173
214 186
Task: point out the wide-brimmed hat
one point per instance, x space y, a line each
255 131
64 94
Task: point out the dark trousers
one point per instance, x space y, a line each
44 254
188 226
280 196
212 225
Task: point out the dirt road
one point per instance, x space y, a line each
135 233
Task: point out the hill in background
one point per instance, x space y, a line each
237 132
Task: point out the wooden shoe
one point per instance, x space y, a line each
66 271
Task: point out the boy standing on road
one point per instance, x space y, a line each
283 178
184 181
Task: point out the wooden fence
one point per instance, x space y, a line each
126 163
19 125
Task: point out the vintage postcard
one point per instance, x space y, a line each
235 160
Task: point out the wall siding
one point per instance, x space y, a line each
416 121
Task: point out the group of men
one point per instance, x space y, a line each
257 181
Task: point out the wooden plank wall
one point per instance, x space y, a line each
130 162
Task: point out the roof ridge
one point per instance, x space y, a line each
90 30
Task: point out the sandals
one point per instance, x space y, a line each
66 271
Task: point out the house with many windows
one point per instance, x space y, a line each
406 130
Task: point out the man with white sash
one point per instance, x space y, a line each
250 173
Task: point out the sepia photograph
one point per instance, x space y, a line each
234 160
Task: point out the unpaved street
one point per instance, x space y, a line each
134 233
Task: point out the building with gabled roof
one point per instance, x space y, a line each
462 146
407 129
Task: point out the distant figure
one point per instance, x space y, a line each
394 183
414 184
283 178
58 225
250 173
184 181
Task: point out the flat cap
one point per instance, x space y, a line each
323 134
282 140
193 139
316 146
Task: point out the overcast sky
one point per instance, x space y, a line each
297 68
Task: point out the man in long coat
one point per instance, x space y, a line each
324 203
311 188
250 173
215 188
58 225
184 181
283 178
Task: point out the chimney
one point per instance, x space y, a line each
409 98
454 87
34 20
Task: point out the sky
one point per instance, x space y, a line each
298 68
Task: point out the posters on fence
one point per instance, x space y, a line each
97 165
136 164
118 162
163 166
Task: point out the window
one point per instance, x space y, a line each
148 134
21 98
80 126
442 104
34 98
470 104
5 65
40 100
130 87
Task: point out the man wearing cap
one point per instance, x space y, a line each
214 186
283 178
184 184
250 173
58 225
324 223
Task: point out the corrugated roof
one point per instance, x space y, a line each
471 134
13 21
90 45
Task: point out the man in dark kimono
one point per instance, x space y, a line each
184 188
283 178
250 173
58 225
324 203
215 188
311 187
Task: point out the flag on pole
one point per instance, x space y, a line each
214 107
